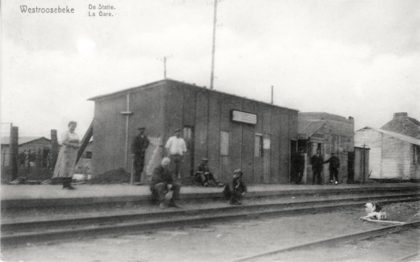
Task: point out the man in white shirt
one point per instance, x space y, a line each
176 148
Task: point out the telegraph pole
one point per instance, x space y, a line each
272 94
164 67
213 51
164 60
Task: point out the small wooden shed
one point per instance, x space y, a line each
392 156
231 131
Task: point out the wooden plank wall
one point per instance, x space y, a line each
109 135
164 108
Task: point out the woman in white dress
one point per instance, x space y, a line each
66 159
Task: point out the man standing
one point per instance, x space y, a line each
317 163
138 148
176 148
163 186
333 168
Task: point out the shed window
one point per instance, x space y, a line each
187 133
224 143
258 149
266 143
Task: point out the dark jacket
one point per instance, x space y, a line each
161 174
317 162
334 162
203 168
238 185
140 145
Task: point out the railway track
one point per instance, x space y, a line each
334 240
82 226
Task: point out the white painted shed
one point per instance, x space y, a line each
392 155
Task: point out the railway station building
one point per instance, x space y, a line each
230 131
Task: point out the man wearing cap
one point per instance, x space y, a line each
138 148
204 176
236 190
176 148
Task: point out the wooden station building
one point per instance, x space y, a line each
231 131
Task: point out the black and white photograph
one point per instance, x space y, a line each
210 130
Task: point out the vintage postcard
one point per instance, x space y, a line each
210 130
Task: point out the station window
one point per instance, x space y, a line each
258 149
187 133
224 143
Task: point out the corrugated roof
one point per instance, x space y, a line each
405 138
22 140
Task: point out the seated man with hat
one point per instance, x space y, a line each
204 176
236 190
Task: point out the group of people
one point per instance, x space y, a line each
175 150
163 182
163 185
165 189
317 162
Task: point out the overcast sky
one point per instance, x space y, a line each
351 58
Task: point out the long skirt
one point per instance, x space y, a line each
66 161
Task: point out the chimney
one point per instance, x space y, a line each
400 115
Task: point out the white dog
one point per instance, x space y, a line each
374 211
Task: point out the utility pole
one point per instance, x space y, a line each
127 113
164 67
272 94
213 51
164 60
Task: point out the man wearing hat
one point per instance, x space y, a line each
236 190
204 176
138 148
176 148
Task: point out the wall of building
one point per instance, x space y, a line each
373 140
109 127
389 157
205 115
209 113
396 158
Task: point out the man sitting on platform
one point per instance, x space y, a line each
204 176
163 186
236 190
